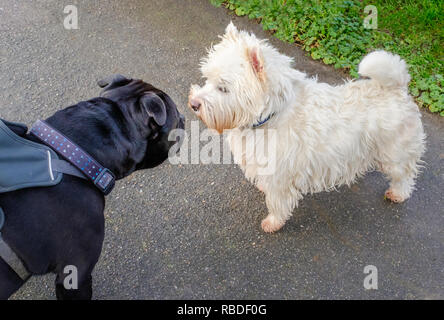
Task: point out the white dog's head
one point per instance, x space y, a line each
245 79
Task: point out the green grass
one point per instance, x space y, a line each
333 31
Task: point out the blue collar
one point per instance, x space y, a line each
262 122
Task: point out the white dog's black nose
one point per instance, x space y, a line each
195 104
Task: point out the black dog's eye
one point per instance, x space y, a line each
223 89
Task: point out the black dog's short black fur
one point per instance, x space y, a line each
126 129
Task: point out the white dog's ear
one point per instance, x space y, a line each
231 31
256 61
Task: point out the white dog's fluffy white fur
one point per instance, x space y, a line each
327 135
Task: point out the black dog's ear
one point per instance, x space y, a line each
114 79
155 107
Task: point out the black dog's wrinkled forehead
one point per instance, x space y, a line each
157 104
118 86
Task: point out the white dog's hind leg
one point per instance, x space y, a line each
402 174
401 160
402 179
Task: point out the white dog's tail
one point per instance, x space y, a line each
386 68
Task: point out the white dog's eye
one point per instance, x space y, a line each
222 89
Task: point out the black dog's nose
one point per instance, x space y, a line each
195 104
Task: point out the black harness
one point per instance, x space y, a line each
28 164
9 256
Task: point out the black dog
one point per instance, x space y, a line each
126 129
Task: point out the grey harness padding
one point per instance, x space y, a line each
26 164
9 256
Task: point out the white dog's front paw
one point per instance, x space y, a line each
393 196
260 187
271 224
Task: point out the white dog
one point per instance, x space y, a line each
327 135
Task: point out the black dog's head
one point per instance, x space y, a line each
127 128
153 111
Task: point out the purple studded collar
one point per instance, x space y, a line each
102 177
